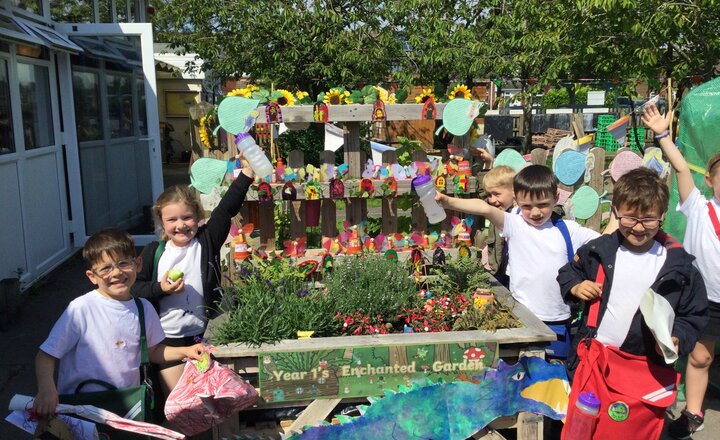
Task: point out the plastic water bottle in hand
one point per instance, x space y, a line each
254 155
425 189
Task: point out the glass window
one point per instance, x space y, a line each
7 139
142 111
29 5
119 95
35 103
86 89
72 11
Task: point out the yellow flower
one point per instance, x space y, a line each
335 97
382 93
424 96
245 92
460 91
204 134
286 99
392 99
300 95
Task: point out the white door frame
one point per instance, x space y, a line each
144 31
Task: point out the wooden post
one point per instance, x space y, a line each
266 217
597 183
418 217
389 204
351 134
328 213
296 159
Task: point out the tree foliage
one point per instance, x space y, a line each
316 44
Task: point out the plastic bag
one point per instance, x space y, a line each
201 400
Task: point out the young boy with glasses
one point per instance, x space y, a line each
98 335
619 359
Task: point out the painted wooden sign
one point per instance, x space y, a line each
367 371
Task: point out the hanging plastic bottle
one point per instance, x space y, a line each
581 425
254 155
425 189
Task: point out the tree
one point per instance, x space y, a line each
309 44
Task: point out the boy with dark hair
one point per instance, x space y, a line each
620 359
98 335
539 243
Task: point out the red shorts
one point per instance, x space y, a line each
633 391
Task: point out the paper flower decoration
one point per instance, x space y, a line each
245 92
283 97
424 96
337 96
460 91
207 125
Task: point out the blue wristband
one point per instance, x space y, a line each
665 133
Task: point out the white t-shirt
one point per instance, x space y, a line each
183 313
97 337
702 241
628 287
535 256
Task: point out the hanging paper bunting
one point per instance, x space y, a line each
618 129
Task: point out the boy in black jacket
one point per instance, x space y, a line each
619 359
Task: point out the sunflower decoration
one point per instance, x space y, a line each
460 91
424 96
337 96
283 97
207 127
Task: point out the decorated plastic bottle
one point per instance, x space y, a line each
258 161
581 425
425 189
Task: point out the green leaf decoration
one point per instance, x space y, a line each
401 95
233 113
357 97
207 173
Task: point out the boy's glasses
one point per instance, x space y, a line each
123 265
630 222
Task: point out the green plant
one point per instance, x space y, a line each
259 311
371 285
406 148
459 275
555 98
282 222
489 318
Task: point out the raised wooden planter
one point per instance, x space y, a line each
511 344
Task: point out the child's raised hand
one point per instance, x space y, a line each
245 165
442 199
654 120
587 290
169 286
